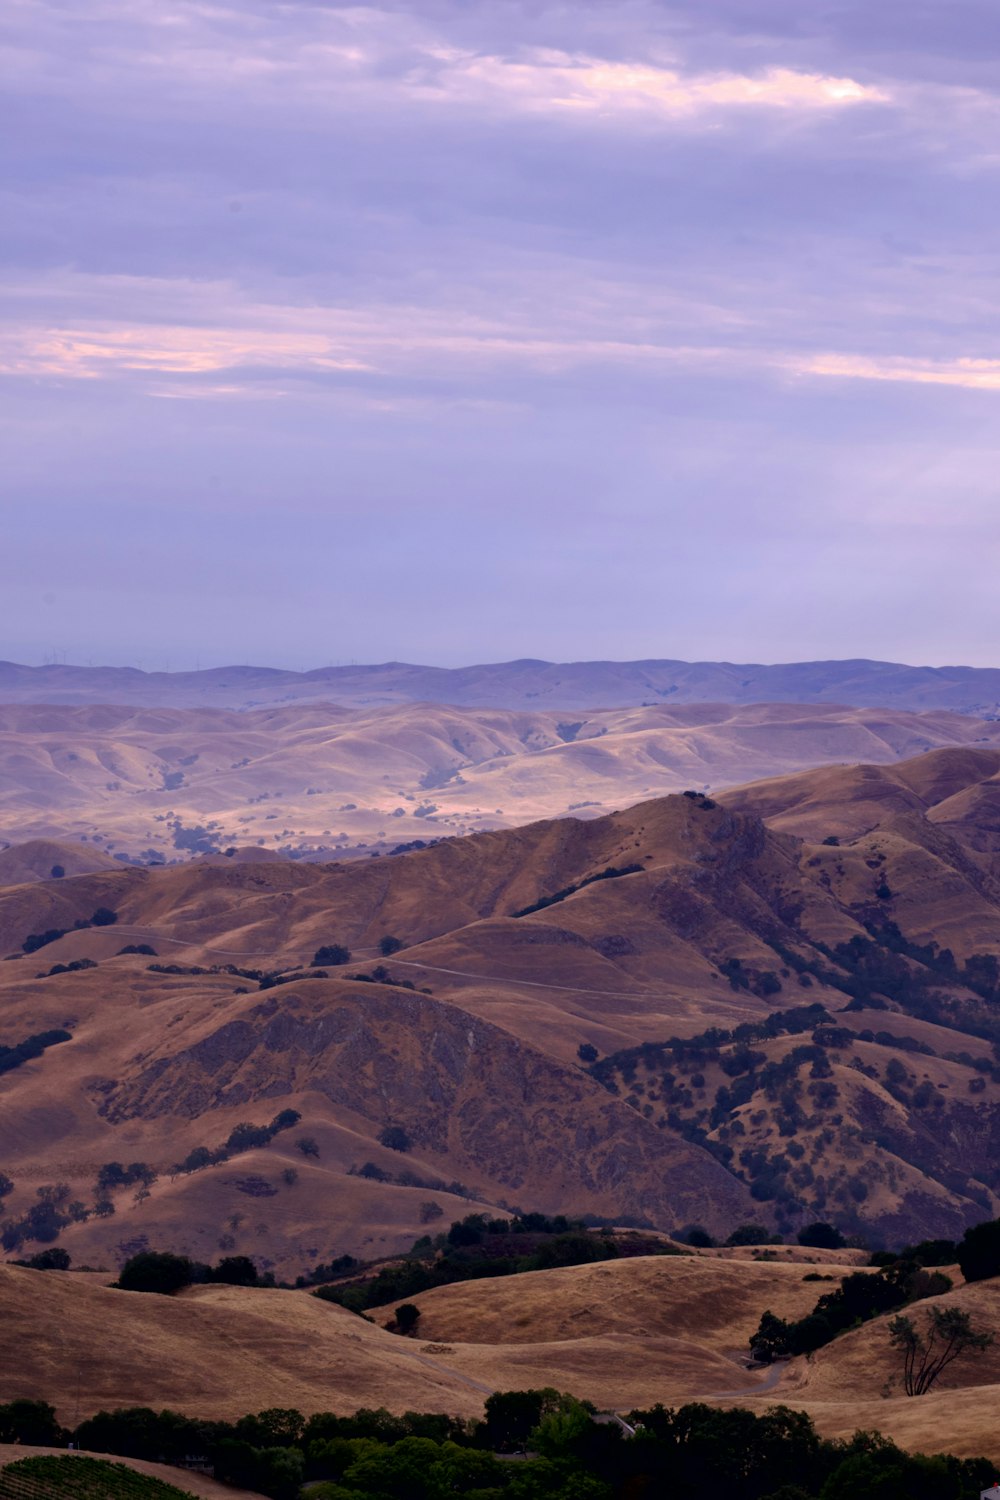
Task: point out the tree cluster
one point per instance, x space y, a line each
476 1247
565 1454
163 1272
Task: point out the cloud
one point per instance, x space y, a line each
969 373
90 352
338 59
562 81
197 331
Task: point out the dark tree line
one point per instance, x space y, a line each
685 1453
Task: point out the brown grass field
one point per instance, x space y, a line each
623 1335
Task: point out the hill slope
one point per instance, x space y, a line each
622 1335
627 935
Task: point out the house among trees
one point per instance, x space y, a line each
991 1494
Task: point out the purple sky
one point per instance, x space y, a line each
469 331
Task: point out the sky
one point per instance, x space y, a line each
456 332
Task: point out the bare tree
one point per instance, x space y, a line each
947 1334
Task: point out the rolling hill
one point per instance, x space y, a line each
317 781
647 939
623 1334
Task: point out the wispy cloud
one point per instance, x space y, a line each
970 373
392 342
562 81
339 57
91 352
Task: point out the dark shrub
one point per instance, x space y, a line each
235 1270
395 1137
750 1234
156 1271
979 1251
407 1317
330 956
699 1238
55 1259
821 1236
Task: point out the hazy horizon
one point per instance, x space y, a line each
201 662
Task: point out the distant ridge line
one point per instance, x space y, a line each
525 683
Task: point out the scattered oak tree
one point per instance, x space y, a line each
407 1317
330 956
947 1335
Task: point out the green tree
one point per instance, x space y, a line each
29 1422
399 1472
561 1428
388 945
771 1341
512 1415
947 1335
276 1427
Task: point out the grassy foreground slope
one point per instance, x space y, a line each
623 1335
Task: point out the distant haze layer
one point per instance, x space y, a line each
520 684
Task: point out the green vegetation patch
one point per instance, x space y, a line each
79 1478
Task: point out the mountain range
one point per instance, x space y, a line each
519 684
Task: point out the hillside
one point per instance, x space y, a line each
316 780
622 1334
658 940
519 684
